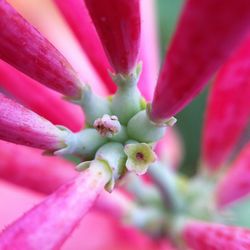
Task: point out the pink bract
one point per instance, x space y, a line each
22 126
228 109
60 213
194 55
236 182
75 12
119 30
202 236
162 208
22 46
15 82
41 173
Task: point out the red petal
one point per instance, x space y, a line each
228 109
204 236
78 18
22 46
29 168
206 35
40 99
51 222
118 25
22 126
236 183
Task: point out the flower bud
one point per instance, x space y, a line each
140 156
194 54
140 128
118 25
22 126
23 47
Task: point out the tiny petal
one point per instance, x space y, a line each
27 167
107 126
140 156
51 222
236 182
22 126
228 109
206 35
118 25
201 236
22 46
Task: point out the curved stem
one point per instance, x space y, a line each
164 179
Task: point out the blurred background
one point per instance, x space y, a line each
190 120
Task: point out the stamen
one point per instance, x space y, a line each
107 126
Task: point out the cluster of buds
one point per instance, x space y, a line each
118 141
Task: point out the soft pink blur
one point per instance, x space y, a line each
228 109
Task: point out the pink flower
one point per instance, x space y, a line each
161 210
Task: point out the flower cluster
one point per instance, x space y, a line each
114 124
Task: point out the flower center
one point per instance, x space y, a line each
139 156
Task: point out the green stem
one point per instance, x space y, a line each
164 179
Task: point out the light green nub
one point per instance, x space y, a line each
89 141
93 106
127 100
113 155
140 128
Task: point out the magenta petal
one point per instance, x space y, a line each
236 183
29 168
228 109
22 126
204 236
42 100
22 46
118 25
77 16
206 35
50 223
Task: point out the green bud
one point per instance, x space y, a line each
127 100
113 155
94 106
84 143
121 136
142 129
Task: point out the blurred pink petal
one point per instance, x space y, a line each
78 18
22 46
236 183
204 236
170 149
118 25
22 126
51 222
228 109
206 35
149 54
42 100
16 201
110 233
29 168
